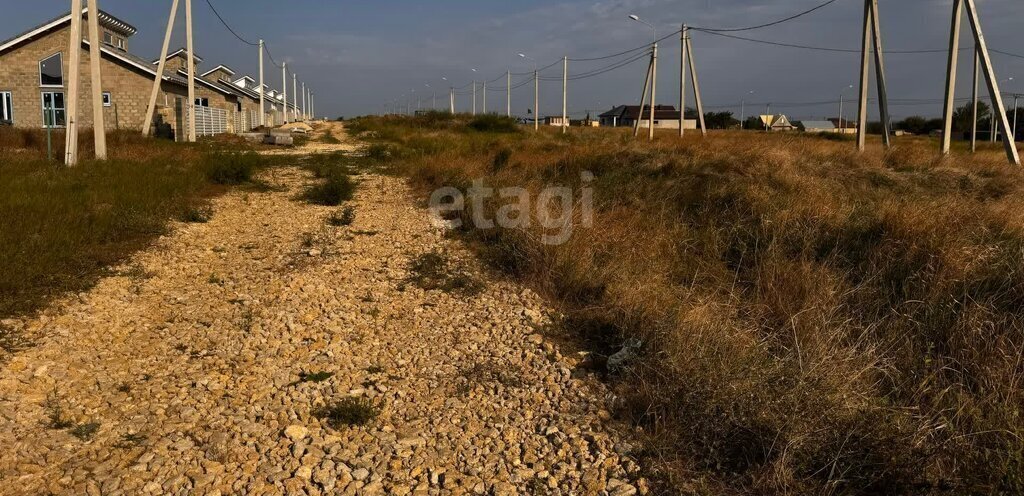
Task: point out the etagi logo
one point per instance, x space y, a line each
558 210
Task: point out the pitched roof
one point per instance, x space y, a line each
818 125
180 51
105 19
223 67
661 112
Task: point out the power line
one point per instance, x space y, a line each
225 23
773 23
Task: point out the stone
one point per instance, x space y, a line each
296 432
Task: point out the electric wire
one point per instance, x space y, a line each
773 23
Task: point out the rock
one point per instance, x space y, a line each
296 432
360 474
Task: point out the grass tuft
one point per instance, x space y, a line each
349 412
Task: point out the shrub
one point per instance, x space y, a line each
334 190
232 168
349 412
347 217
494 124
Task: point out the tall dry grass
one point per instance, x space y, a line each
814 320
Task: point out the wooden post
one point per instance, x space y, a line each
682 81
643 97
74 73
696 87
99 127
883 96
974 106
954 49
191 103
862 106
993 84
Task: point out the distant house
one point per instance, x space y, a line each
777 122
844 126
818 127
665 117
556 121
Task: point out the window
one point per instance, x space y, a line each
202 102
106 99
114 41
53 109
6 107
108 38
51 71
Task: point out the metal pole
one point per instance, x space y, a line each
508 93
954 48
75 51
536 101
643 97
862 107
654 90
682 81
191 73
565 94
883 95
99 128
974 106
696 86
993 84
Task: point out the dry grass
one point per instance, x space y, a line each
61 228
814 320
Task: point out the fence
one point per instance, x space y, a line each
211 121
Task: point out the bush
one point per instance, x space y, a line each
336 189
232 168
494 124
347 217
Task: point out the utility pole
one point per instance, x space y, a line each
654 90
643 97
304 115
295 97
147 124
682 80
536 101
508 93
974 106
284 88
696 86
485 97
1013 130
872 35
565 94
191 73
263 110
75 51
990 78
768 117
451 100
99 128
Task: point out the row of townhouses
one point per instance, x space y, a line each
34 76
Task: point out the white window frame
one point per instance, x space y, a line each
39 66
6 106
202 102
42 105
108 99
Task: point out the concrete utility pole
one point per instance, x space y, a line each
191 73
284 88
451 100
71 105
654 90
485 97
474 97
147 124
565 94
688 48
974 106
536 100
99 128
990 79
295 97
872 35
508 93
304 114
682 80
643 97
263 110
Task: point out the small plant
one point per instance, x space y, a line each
374 369
433 270
215 279
501 159
346 218
56 417
130 440
379 152
349 412
494 124
232 168
315 376
335 190
85 431
124 387
197 215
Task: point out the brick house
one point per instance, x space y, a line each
34 77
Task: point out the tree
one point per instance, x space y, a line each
720 120
753 123
919 125
962 117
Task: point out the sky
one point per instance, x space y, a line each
360 55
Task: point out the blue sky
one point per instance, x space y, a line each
359 55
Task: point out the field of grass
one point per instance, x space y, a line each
62 228
813 320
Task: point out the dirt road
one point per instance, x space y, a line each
204 367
